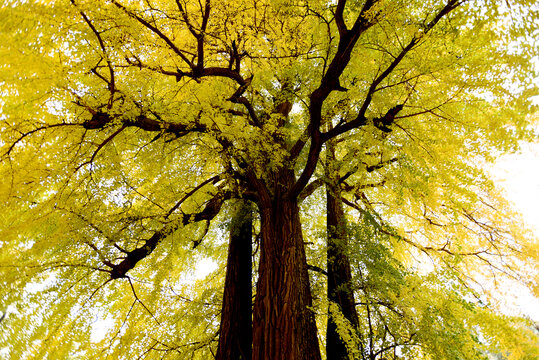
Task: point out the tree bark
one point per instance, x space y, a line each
283 322
235 332
340 288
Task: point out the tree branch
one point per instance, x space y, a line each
339 18
212 208
213 180
233 74
329 83
388 118
28 133
111 82
156 31
100 120
105 142
317 269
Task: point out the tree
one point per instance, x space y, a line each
128 130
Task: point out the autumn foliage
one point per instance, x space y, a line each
327 158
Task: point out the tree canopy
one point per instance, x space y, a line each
341 143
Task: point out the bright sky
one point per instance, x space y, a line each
518 174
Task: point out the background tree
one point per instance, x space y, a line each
128 130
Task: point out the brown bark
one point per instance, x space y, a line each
283 323
235 332
340 288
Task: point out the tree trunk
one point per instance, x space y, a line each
236 322
283 323
338 264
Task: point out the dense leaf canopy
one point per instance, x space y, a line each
130 129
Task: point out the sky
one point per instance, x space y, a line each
518 175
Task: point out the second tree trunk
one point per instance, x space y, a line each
236 322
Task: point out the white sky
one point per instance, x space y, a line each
518 175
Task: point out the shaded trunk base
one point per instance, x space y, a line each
236 322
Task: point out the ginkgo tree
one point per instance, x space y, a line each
140 137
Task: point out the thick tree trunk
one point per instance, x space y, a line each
236 321
283 323
338 264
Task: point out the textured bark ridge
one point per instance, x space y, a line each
235 332
284 326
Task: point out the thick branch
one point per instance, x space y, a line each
200 37
100 120
211 209
311 187
361 120
329 83
339 18
215 71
